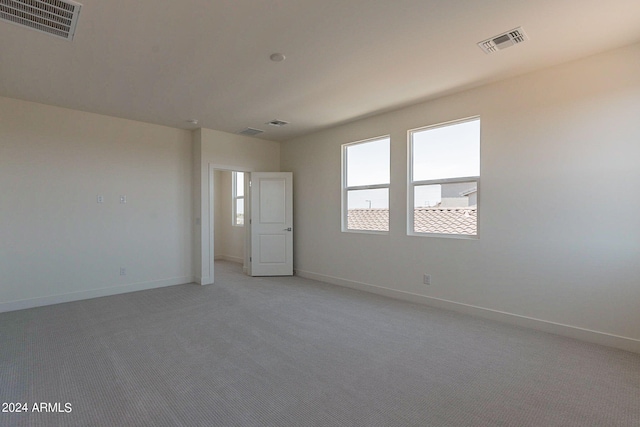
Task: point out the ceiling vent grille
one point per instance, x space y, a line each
503 41
55 17
277 123
250 131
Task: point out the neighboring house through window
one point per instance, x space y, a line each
444 179
238 199
365 185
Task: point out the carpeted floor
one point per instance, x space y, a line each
294 352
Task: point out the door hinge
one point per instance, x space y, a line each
250 259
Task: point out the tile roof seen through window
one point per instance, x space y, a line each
368 219
446 220
440 220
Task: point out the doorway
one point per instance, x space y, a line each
217 197
228 224
220 238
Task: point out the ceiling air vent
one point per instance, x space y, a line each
55 17
503 41
250 131
277 123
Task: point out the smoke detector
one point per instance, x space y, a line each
503 41
55 17
277 57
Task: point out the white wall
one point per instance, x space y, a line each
559 244
56 242
220 150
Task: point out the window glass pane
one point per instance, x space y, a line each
446 208
368 209
447 151
368 163
240 211
426 196
239 184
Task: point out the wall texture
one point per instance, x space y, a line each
56 242
559 240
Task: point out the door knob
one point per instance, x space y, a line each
287 229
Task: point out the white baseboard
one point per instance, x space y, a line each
231 258
602 338
93 293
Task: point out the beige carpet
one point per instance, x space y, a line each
294 352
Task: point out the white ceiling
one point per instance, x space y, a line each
167 61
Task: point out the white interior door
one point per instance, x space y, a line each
271 224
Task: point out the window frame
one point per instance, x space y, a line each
345 189
411 184
235 198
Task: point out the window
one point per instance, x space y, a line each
238 199
444 179
365 185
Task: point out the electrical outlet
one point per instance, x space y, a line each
426 279
99 199
123 199
123 271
